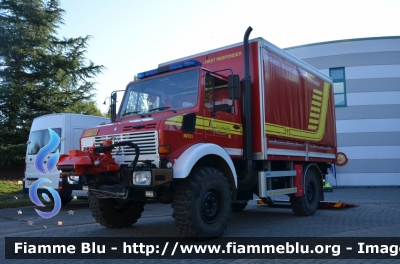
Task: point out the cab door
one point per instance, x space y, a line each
221 116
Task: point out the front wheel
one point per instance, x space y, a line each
115 213
308 203
202 203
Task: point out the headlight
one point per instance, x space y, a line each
141 177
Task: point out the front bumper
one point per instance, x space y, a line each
106 186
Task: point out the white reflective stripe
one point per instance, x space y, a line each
321 155
234 151
285 152
273 151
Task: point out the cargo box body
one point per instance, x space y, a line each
293 115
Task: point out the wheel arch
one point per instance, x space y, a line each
206 155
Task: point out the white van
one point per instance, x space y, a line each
69 128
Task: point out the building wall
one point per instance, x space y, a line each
368 128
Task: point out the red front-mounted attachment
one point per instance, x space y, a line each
91 161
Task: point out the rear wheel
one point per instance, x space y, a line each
202 203
115 213
308 203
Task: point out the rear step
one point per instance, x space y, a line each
322 204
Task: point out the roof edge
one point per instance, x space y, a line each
343 40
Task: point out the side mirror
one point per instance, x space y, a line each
114 96
113 106
233 86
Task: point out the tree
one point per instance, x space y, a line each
86 107
39 73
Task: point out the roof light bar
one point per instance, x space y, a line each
172 67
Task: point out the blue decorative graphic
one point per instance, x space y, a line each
45 151
50 164
35 198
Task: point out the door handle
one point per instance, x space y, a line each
236 127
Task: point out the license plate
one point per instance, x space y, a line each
85 188
91 132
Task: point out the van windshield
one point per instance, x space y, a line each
40 138
167 92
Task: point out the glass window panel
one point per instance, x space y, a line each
41 138
337 74
161 93
338 87
35 143
339 100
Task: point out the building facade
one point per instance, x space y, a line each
366 76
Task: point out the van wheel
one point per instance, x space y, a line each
202 203
115 213
308 203
65 199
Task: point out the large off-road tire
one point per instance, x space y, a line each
115 213
202 203
238 206
308 203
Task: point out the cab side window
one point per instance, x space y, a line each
216 93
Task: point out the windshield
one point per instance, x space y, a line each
40 138
168 92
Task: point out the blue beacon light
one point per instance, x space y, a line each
167 68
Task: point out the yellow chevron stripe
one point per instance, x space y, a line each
274 129
317 92
315 103
316 97
315 109
313 121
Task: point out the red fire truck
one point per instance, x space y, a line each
206 133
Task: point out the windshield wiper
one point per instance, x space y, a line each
132 112
161 108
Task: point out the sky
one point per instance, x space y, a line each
132 36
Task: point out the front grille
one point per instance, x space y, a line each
147 142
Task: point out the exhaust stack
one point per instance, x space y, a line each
248 147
